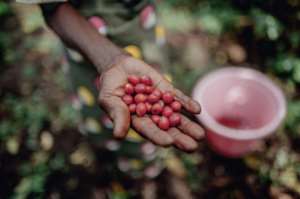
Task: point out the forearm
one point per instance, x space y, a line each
76 32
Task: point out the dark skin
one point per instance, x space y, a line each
114 65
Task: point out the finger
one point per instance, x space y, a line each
149 130
119 113
188 103
182 141
191 128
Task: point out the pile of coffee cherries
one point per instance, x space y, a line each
142 98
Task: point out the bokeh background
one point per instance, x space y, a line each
43 155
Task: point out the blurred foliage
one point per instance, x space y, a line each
293 118
4 39
38 154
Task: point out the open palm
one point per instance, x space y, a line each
184 137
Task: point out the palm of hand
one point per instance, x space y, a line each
111 90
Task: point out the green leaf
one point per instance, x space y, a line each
4 8
296 72
285 64
266 25
293 118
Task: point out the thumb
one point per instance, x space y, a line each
119 113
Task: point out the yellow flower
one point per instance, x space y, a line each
92 125
160 35
136 164
117 187
47 140
134 51
82 156
252 161
134 136
160 32
168 77
12 145
175 166
86 96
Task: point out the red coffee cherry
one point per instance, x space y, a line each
128 88
140 88
149 89
167 97
156 108
175 119
167 111
141 109
155 118
176 106
148 106
163 123
157 92
153 98
132 108
140 98
128 99
133 79
146 80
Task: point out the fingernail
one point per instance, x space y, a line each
191 147
199 135
118 135
196 105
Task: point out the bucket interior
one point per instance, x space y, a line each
239 103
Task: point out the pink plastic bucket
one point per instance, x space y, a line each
240 106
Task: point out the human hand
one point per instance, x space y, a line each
184 137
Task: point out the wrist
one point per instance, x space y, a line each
112 60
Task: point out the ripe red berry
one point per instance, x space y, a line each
175 119
163 123
132 108
176 106
156 108
141 109
140 98
167 97
133 79
148 89
157 92
146 80
167 111
128 88
155 118
140 88
153 98
128 99
148 106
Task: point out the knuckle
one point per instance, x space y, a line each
185 123
175 134
156 134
